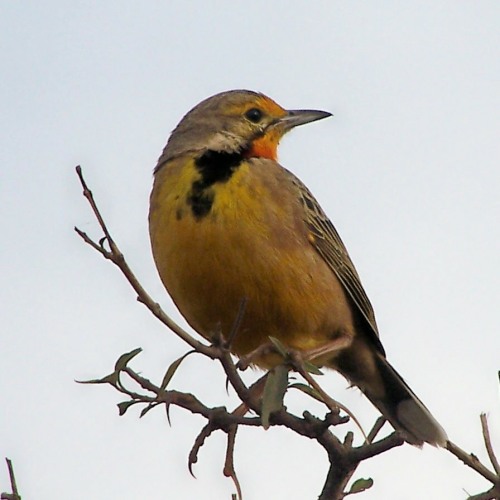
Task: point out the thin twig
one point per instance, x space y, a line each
377 426
256 389
15 493
472 461
198 443
488 445
245 395
88 194
331 403
229 470
116 256
365 451
491 494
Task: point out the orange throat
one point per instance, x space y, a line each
264 147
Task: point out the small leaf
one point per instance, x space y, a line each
274 392
172 369
279 346
312 368
111 379
124 359
124 406
361 485
307 389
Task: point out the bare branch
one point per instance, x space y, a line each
116 256
229 470
15 493
472 461
487 443
491 494
370 450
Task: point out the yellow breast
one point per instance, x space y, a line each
252 245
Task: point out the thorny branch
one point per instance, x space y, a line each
343 457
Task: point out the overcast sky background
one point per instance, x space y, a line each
407 169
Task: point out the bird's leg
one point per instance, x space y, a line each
332 347
253 357
342 341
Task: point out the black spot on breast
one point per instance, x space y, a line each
214 167
217 166
200 199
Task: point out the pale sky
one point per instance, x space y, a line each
407 169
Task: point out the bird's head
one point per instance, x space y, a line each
238 121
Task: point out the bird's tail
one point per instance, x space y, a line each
387 390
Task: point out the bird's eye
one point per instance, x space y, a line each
254 115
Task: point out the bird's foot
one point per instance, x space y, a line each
255 357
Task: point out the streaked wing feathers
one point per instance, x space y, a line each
328 244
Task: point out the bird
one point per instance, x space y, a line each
236 235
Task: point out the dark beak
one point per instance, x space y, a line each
297 117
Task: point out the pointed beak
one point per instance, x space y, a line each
297 117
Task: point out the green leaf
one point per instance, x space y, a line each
172 369
274 392
307 389
312 368
124 406
111 379
124 359
280 347
361 485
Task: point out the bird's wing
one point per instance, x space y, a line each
328 244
